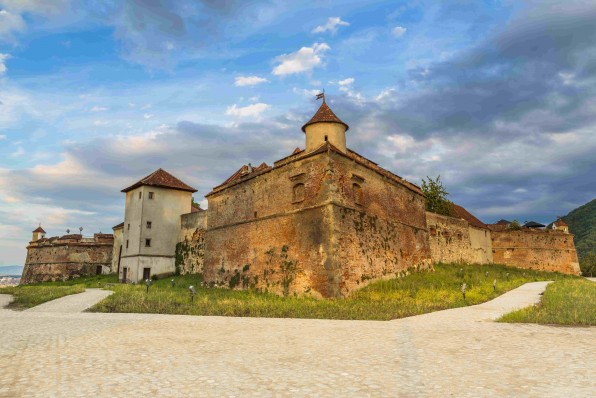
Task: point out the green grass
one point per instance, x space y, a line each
565 302
27 296
417 293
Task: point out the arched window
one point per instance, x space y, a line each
358 194
298 193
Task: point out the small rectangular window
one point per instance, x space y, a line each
148 224
147 242
150 195
127 243
140 194
128 227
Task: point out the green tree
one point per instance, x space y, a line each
515 225
436 196
195 204
588 264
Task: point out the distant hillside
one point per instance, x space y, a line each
582 224
11 270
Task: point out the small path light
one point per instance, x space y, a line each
507 275
463 290
192 291
173 283
495 285
148 283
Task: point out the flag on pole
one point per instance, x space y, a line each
321 95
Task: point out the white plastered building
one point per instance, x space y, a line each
151 225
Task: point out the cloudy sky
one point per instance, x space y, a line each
499 98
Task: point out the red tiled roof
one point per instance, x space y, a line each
297 150
39 229
459 212
163 179
324 114
195 209
561 223
242 171
121 225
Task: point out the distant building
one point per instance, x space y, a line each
560 225
533 224
67 257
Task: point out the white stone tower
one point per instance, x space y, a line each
38 234
323 127
151 225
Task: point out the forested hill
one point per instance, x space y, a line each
582 224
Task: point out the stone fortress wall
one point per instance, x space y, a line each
67 257
455 240
545 250
190 249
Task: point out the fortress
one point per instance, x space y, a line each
323 221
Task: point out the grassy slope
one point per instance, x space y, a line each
565 302
417 293
27 296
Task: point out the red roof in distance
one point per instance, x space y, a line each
163 179
324 114
39 229
459 212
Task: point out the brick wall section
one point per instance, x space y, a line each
67 257
541 250
190 250
454 240
324 231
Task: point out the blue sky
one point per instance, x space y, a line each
497 97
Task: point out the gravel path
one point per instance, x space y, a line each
456 352
73 303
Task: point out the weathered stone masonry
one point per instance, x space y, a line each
67 257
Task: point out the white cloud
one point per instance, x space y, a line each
2 137
98 109
253 110
305 92
10 23
3 58
345 84
249 80
398 31
303 60
331 26
147 116
100 123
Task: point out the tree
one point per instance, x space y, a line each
436 196
588 264
194 204
515 225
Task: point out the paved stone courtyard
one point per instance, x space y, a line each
58 352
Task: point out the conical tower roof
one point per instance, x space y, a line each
324 114
39 229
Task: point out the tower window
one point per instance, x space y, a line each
140 193
147 242
298 193
325 138
358 194
128 227
148 224
127 243
150 195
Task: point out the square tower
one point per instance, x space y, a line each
151 225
